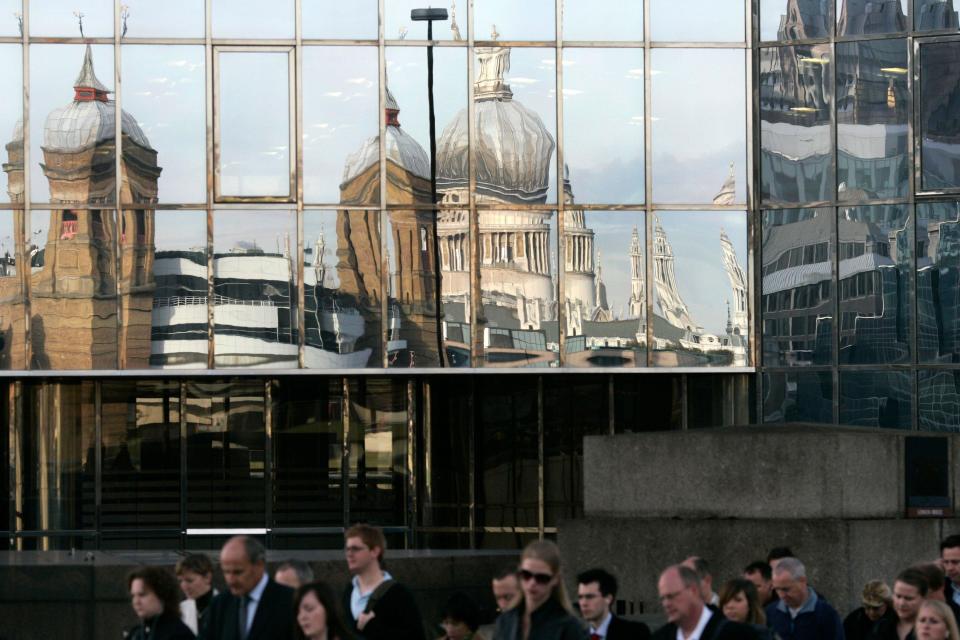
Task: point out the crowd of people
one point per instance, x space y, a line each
771 600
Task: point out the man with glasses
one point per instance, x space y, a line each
688 618
950 562
596 593
376 605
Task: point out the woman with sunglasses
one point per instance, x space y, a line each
543 613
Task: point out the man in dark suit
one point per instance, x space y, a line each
687 615
254 607
596 593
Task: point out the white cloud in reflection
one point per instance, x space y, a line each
523 80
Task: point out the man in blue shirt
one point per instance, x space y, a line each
800 614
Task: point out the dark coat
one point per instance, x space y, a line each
163 627
823 623
857 626
718 628
272 621
395 616
886 629
621 629
549 622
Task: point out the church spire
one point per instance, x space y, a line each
494 63
87 87
454 27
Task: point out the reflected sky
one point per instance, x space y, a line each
170 18
602 20
397 22
7 242
537 20
697 20
698 95
163 88
253 19
56 18
180 230
356 19
603 117
267 230
11 112
9 25
613 232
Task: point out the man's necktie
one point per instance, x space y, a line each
595 636
244 604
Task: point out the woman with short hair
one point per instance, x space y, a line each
156 601
195 575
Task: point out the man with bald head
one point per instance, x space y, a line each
688 618
254 607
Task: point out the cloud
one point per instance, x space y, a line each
572 92
160 80
333 94
634 74
184 64
522 80
360 81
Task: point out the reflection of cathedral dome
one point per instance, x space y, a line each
402 149
514 147
89 119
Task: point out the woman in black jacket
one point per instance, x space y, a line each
156 601
544 612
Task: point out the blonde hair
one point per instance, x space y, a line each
547 551
943 611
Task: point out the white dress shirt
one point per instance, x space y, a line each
255 596
705 616
602 629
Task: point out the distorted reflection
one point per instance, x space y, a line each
11 120
398 25
787 20
255 289
591 20
875 262
700 315
605 301
342 285
940 115
329 19
253 19
938 400
179 315
12 309
873 106
796 94
797 290
862 17
932 15
876 399
938 282
71 18
171 18
798 397
696 21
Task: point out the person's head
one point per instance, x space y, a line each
950 557
365 547
740 602
777 554
540 575
243 561
195 575
596 591
293 573
506 588
460 616
935 621
876 599
909 590
761 575
702 568
936 580
790 582
153 591
318 613
680 597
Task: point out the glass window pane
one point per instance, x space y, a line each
938 400
696 21
873 108
398 24
178 335
787 20
11 26
172 18
602 20
876 399
647 403
797 301
378 451
11 123
861 17
330 19
254 129
57 454
340 142
72 123
137 286
604 277
938 288
700 294
518 263
63 18
140 429
446 453
684 80
931 15
798 397
529 20
307 453
453 232
163 87
796 94
342 289
255 289
939 125
73 289
876 257
603 125
12 309
226 455
253 19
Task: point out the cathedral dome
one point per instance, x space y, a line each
90 118
514 147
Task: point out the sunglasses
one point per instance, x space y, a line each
540 578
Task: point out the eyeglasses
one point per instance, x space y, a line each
541 578
354 549
667 597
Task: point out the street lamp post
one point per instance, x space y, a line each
428 15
